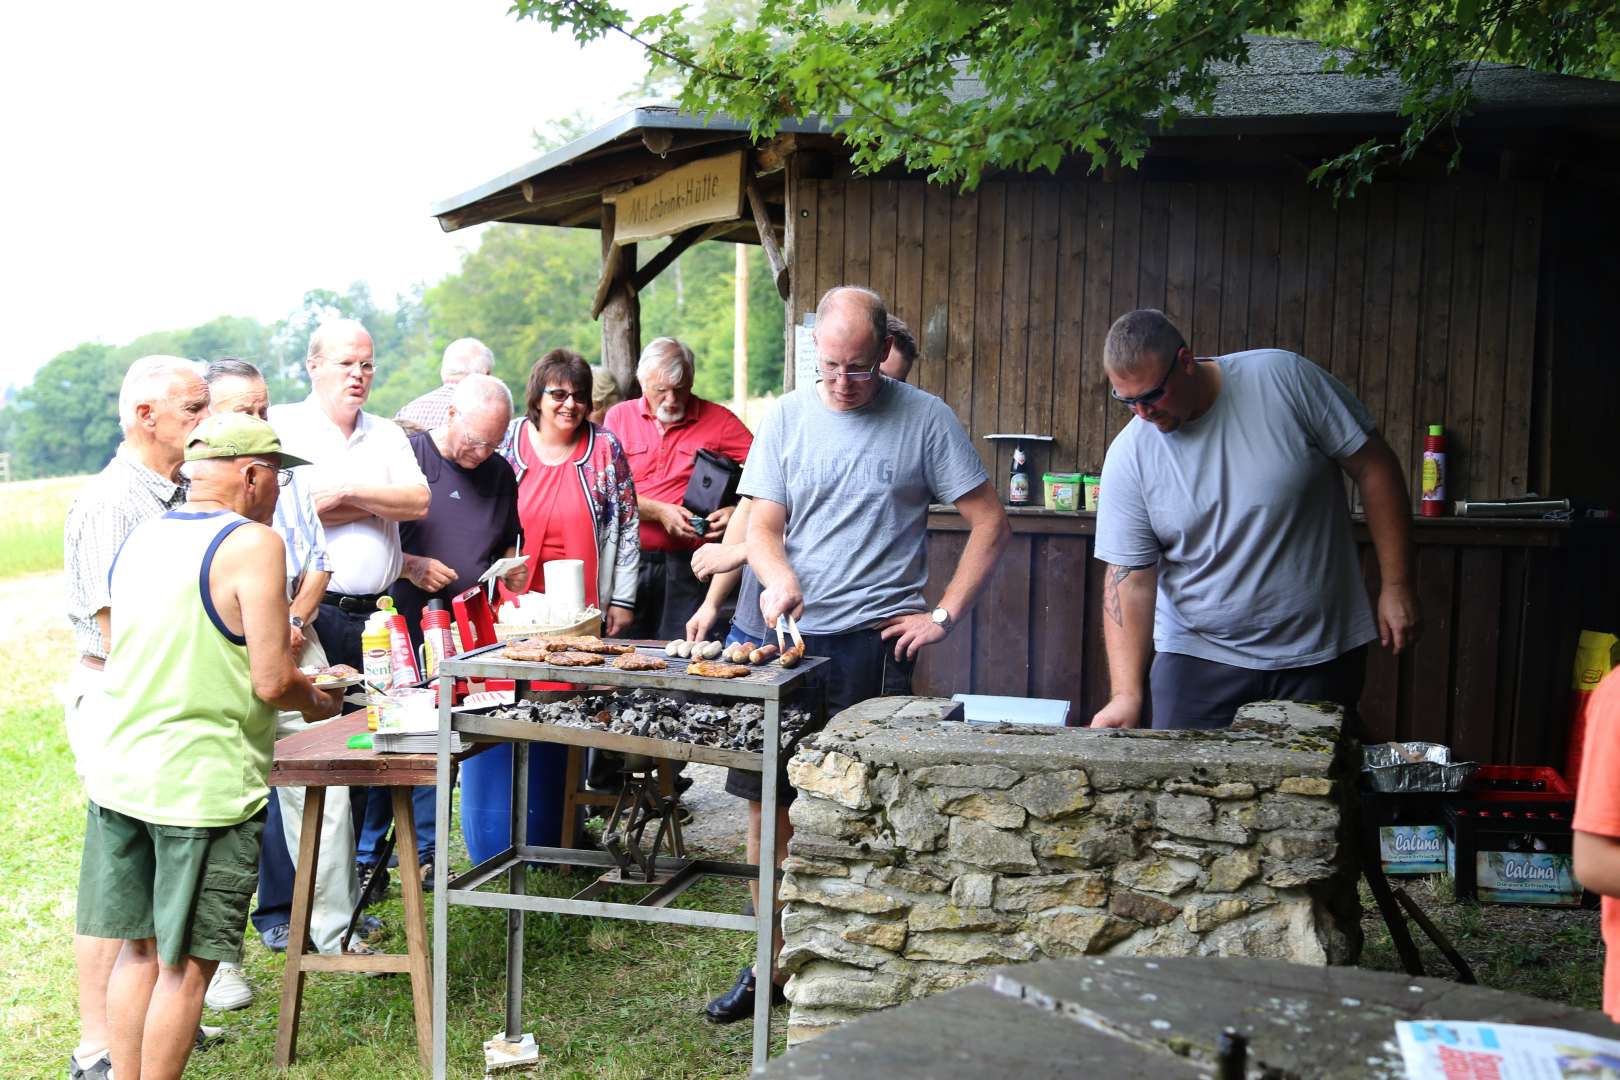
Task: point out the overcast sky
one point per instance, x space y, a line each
176 161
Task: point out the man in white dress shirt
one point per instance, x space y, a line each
365 481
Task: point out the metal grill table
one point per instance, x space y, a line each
768 685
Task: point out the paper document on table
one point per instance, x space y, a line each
1453 1049
501 566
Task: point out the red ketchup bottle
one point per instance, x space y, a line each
1434 472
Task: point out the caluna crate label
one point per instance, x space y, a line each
1522 877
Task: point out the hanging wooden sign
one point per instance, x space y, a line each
694 194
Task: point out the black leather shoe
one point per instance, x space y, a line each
738 1002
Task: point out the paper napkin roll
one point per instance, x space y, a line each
565 585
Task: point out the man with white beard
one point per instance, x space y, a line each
662 431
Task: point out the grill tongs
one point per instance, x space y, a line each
786 625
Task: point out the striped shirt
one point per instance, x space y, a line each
105 511
431 410
301 530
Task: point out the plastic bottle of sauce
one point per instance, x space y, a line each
379 664
1434 472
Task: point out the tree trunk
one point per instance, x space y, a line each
739 336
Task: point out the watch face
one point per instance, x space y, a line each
941 615
296 621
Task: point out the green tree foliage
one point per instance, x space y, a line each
1064 77
527 290
524 291
66 420
693 300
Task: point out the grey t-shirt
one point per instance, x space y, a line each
857 486
1244 511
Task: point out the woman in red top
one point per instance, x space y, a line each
576 499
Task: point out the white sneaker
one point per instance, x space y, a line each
228 989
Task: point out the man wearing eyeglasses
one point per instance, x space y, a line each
365 481
473 518
841 478
1226 531
179 779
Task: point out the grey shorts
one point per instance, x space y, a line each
187 886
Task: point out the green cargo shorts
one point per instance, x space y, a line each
188 887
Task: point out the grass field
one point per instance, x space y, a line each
31 515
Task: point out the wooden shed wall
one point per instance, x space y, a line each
1422 297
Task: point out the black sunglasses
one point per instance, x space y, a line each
1150 396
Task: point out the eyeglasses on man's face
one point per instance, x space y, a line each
560 394
283 476
831 373
1150 396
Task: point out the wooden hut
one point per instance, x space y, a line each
1472 298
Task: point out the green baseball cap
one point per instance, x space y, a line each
233 434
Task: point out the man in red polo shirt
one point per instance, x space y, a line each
661 432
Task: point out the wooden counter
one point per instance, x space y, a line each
1503 603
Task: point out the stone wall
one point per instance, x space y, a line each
926 849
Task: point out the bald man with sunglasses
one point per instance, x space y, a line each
1227 534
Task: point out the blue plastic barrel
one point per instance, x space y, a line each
486 798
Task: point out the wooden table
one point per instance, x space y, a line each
1161 1019
317 759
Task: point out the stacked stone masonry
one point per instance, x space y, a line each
927 850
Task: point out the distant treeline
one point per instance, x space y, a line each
523 291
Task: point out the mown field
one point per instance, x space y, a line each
31 514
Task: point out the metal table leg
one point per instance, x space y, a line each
441 878
765 910
518 884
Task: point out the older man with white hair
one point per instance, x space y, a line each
662 432
161 400
473 518
462 357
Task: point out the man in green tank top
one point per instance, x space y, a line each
178 779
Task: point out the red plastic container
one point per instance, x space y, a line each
1539 786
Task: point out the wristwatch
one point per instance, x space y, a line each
296 621
943 618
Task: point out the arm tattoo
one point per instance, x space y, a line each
1112 580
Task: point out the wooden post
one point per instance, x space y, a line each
791 199
621 314
739 336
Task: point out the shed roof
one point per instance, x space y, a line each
1282 89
